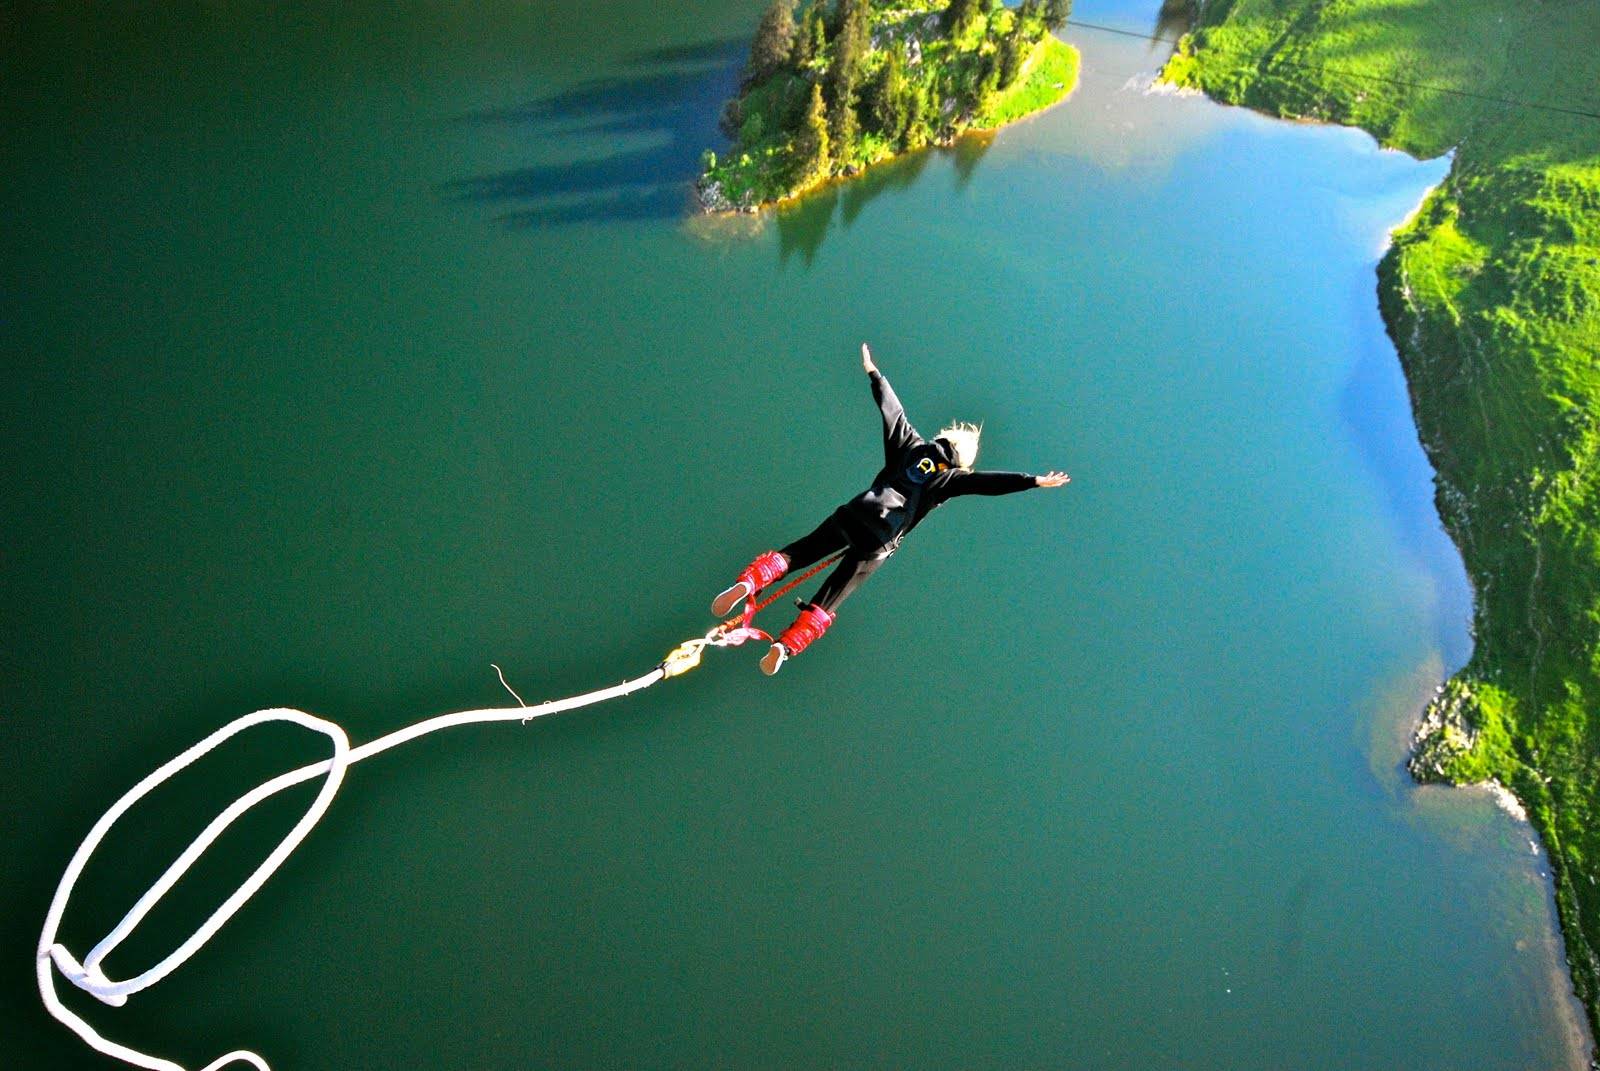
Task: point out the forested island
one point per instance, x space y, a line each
1492 296
844 84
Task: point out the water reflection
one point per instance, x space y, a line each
967 152
1292 921
804 224
1375 409
667 104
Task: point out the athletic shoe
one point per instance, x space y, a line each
774 659
728 601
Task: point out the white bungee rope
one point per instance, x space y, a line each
87 974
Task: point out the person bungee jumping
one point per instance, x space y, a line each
918 475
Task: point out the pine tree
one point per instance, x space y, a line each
844 126
732 118
986 84
855 26
929 119
811 151
1056 13
850 47
840 13
960 16
1013 50
812 38
891 106
919 113
774 43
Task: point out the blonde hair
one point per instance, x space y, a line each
963 440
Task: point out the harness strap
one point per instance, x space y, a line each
746 621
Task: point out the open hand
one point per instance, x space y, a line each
866 360
1053 479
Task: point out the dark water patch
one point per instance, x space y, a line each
1292 929
673 110
714 53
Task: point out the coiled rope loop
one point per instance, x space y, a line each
87 974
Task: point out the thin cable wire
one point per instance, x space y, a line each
1385 79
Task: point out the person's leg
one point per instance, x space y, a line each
815 545
816 617
850 574
767 568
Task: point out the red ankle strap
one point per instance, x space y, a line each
806 630
765 569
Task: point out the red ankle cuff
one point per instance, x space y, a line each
765 569
806 630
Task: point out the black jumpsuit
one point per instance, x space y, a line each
917 476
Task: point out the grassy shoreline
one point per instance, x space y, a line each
1492 296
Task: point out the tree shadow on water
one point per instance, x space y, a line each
641 132
968 150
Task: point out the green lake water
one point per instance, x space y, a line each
346 355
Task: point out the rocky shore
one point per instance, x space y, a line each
1445 733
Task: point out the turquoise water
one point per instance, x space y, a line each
349 355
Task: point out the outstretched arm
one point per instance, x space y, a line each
1002 483
897 430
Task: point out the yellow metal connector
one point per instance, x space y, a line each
682 658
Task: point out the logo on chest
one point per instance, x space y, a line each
925 469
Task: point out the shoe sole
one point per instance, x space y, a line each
773 660
724 604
